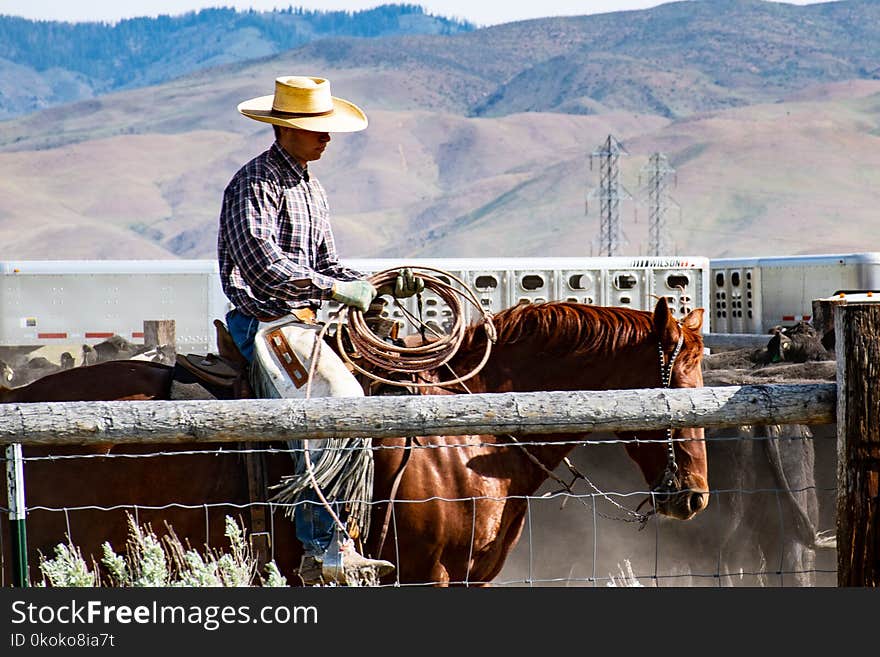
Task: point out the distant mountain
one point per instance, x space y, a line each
671 60
47 63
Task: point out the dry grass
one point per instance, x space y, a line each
151 561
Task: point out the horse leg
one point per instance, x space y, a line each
800 561
734 550
739 560
789 562
791 548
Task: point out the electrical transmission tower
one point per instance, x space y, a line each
658 173
610 193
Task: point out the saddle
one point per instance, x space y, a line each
225 375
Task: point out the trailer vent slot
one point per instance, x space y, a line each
578 282
532 282
486 282
675 281
625 281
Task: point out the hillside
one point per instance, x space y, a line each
673 60
444 170
789 177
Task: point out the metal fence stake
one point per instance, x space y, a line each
17 514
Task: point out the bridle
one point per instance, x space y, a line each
668 483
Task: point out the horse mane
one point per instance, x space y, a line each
564 327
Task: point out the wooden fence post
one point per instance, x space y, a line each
857 331
160 333
823 319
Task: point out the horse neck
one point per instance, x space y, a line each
522 367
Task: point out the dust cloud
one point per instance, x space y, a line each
565 542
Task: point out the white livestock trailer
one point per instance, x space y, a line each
752 295
63 302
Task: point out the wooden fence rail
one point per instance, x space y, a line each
67 423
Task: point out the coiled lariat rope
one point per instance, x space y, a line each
431 355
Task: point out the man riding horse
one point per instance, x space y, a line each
278 263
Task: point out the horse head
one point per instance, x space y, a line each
674 461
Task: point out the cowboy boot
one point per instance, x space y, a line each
342 559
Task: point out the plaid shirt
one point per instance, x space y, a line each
275 246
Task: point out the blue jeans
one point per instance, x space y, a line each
314 524
242 328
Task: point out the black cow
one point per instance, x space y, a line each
32 369
800 343
117 348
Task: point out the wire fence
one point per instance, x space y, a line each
747 536
751 534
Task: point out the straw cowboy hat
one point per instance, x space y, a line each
305 103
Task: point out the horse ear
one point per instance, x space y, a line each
693 320
665 326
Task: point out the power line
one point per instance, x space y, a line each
658 172
610 192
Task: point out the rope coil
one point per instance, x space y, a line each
432 354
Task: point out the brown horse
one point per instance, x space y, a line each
193 492
108 381
459 502
472 498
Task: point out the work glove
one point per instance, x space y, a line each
357 294
405 285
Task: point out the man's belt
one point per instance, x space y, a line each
306 315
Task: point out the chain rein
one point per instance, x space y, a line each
667 483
